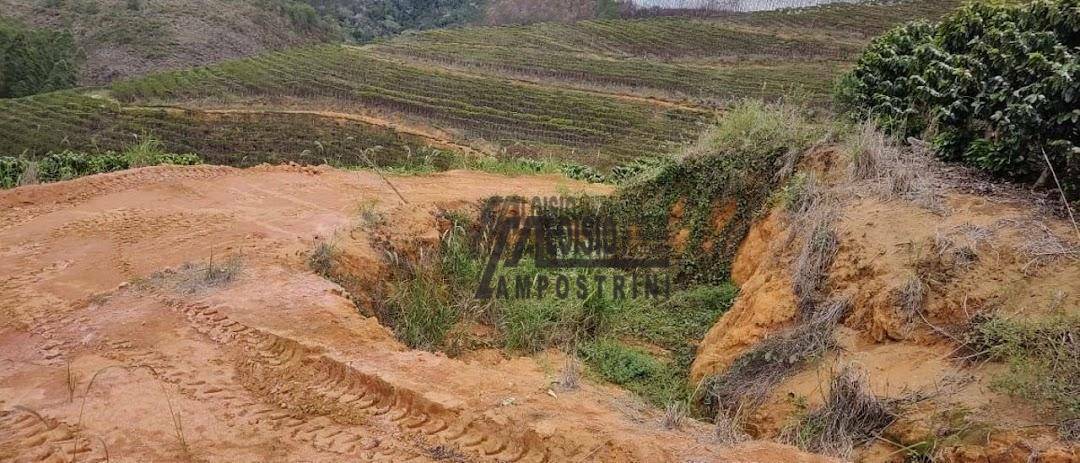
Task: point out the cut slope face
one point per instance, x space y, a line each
920 270
114 349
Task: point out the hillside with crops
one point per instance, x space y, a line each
627 231
595 93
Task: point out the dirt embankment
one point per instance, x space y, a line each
917 268
169 314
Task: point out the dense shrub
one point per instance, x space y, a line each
301 14
35 61
993 86
368 20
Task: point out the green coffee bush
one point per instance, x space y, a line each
993 86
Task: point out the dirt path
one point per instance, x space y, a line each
432 136
106 357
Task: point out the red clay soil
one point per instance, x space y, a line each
111 349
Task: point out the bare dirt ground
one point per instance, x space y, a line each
119 343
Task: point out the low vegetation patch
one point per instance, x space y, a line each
659 381
66 165
197 277
1043 355
714 188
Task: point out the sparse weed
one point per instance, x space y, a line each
370 216
321 259
727 431
1043 355
570 375
674 412
193 278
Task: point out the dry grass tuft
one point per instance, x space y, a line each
851 416
674 412
29 175
446 453
321 260
570 376
908 298
747 383
727 430
938 260
869 153
1045 246
813 211
193 278
1069 430
880 164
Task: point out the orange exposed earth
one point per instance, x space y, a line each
113 346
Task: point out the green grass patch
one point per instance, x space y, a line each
1043 355
656 380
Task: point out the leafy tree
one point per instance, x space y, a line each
35 61
368 20
994 86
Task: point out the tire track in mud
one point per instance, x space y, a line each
234 404
40 314
27 436
303 381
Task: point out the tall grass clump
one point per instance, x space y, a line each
429 294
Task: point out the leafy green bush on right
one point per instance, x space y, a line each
993 86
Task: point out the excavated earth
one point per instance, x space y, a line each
977 248
116 346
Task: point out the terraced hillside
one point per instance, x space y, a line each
765 54
601 93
